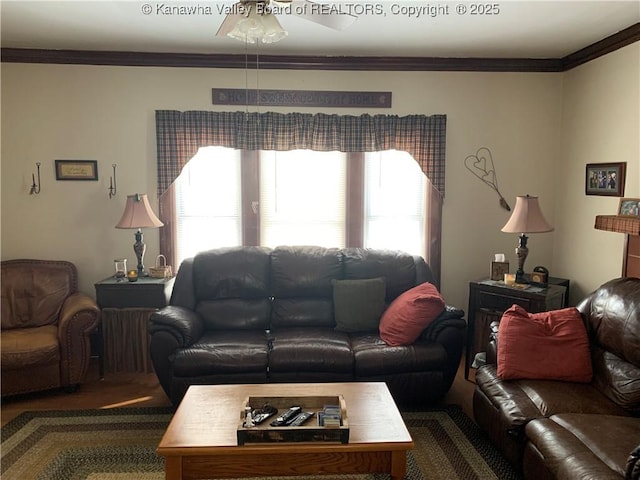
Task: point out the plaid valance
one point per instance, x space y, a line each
181 134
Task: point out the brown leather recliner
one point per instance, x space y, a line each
46 325
558 429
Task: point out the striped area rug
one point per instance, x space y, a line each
119 444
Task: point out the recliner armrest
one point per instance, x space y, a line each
514 405
184 325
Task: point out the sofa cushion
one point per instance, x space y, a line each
25 347
410 313
373 357
548 345
613 322
223 352
616 379
397 268
33 291
235 272
300 271
613 314
584 446
235 313
358 304
300 349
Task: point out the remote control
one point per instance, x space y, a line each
261 417
286 417
300 419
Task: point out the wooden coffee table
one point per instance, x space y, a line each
200 442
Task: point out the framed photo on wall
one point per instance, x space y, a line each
605 179
629 207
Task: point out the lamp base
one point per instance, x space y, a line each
139 248
521 252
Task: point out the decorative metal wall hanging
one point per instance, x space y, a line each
481 165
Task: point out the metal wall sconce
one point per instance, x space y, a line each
112 183
35 187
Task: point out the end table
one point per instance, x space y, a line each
488 300
126 307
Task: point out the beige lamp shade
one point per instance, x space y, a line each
138 213
527 217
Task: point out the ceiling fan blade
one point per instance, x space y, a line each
323 14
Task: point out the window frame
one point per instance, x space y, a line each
354 228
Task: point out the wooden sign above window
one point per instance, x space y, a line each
300 98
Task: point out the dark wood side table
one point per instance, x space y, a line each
126 307
488 299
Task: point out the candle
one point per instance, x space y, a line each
510 278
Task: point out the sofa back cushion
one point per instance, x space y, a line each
33 291
398 269
612 315
231 288
301 285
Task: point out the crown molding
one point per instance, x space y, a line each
610 44
292 62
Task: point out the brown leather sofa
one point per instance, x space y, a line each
256 315
555 429
46 324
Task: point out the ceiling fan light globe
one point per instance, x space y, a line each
273 37
272 30
247 30
257 27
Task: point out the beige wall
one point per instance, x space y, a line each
600 123
107 114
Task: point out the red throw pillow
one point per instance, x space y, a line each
409 314
548 345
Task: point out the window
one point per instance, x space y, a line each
303 197
395 202
208 207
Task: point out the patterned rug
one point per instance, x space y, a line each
119 444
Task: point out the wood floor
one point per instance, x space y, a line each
143 390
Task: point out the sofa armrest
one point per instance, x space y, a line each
184 325
450 317
79 317
448 329
515 407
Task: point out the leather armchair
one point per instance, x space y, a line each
46 325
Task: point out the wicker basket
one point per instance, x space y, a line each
161 270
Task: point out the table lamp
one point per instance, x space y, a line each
526 218
138 214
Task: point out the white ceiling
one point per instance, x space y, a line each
518 29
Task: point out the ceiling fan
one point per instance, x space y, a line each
253 20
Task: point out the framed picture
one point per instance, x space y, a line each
76 170
629 207
605 179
